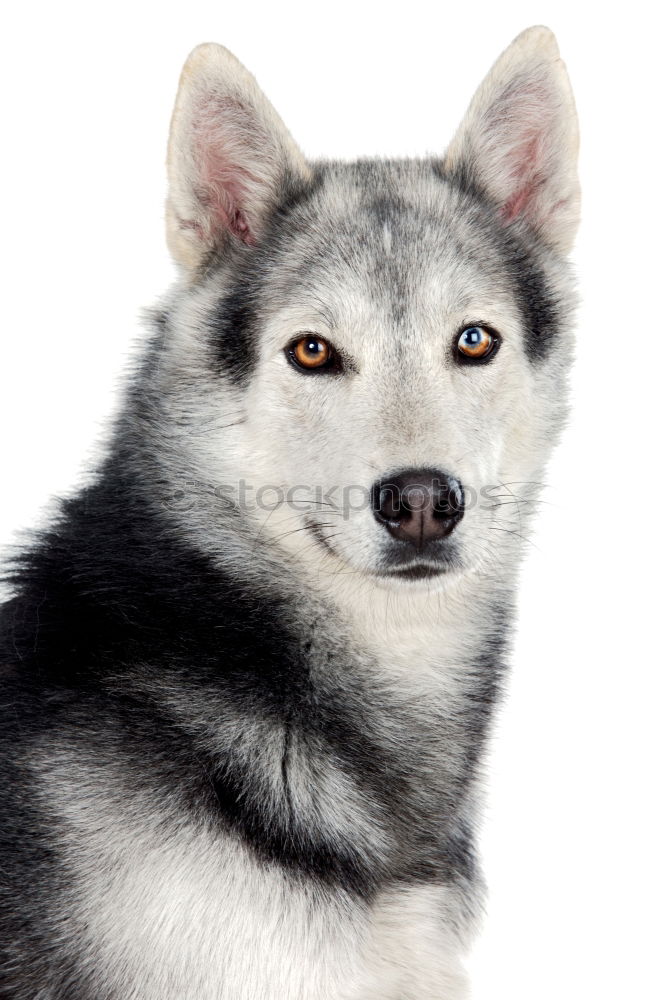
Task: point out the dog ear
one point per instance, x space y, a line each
518 143
230 158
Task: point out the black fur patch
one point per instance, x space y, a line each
233 330
111 590
281 838
112 605
111 593
537 303
233 324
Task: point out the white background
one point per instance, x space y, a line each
572 841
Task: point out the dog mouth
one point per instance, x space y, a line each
412 570
417 571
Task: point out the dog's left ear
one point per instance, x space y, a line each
518 143
230 159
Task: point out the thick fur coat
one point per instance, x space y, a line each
244 699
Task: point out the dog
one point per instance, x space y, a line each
249 671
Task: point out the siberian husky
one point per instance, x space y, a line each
248 672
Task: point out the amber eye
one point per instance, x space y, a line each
477 343
312 353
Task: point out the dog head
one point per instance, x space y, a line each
364 363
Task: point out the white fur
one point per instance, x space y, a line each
166 910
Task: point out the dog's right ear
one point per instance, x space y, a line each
230 159
519 140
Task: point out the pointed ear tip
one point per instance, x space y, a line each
206 55
538 38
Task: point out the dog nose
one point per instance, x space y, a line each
418 505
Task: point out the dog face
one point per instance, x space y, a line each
376 351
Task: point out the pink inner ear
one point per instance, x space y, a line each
238 225
521 127
526 173
225 142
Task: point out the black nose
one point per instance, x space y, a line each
418 505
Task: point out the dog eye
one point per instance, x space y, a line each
313 354
477 343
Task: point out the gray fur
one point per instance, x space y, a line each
255 773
